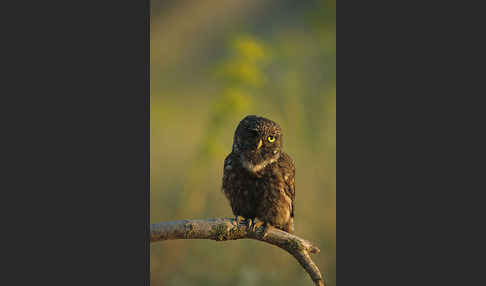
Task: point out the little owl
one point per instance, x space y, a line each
258 177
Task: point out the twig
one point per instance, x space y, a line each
222 229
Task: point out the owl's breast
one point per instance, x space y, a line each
241 189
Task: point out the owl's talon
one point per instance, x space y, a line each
265 232
256 224
250 223
239 219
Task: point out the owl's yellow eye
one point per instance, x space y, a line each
271 138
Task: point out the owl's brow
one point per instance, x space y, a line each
275 130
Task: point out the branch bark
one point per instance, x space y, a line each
222 229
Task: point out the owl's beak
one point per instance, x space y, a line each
260 143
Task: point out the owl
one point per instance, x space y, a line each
258 177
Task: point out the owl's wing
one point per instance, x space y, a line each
288 172
226 169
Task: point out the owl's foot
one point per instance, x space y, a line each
267 226
250 223
238 220
256 224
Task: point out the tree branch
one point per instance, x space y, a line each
221 229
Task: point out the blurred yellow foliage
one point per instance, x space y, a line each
244 72
249 48
235 99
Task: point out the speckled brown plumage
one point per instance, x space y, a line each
258 177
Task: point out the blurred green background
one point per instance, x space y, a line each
212 63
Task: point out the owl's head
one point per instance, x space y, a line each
258 142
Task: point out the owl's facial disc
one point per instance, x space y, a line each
258 142
259 155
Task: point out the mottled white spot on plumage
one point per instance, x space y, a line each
256 167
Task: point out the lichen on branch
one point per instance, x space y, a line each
223 229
